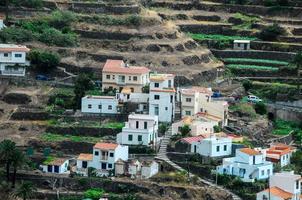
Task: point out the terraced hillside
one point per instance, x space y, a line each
125 30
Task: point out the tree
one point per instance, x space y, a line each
298 62
247 85
43 61
185 130
94 193
7 149
26 190
271 33
83 83
217 129
260 108
18 160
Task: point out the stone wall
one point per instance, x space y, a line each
109 35
83 131
104 8
270 46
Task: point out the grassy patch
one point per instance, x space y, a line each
50 137
48 160
252 67
248 21
200 36
250 60
282 127
84 123
244 109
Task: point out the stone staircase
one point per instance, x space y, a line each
162 155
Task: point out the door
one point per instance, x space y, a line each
57 169
104 165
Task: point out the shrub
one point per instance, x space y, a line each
163 127
247 85
185 130
52 36
217 129
44 61
271 33
13 34
61 19
260 108
94 193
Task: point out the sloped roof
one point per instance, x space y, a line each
250 151
190 140
85 156
13 47
105 146
118 66
279 192
160 77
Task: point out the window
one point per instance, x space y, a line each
56 169
113 77
166 108
5 54
262 172
171 99
129 78
297 184
107 76
169 83
217 148
96 153
49 168
137 124
84 164
89 106
109 165
111 154
156 85
134 78
268 172
139 138
132 89
130 137
18 55
104 165
188 112
110 107
188 99
145 125
100 107
156 110
156 97
264 197
225 147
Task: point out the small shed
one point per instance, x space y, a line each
149 169
242 44
120 167
55 165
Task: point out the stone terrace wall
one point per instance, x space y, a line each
104 8
83 131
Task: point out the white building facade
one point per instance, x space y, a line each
103 158
149 169
139 130
99 105
13 59
57 165
162 97
215 147
248 164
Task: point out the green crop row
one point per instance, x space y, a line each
266 61
254 67
199 36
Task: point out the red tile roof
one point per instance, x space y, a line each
118 66
85 156
164 90
105 146
250 151
190 140
14 48
279 193
193 90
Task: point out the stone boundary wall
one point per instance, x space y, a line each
269 46
273 55
104 8
110 35
83 131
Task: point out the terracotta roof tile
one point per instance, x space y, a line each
279 193
193 90
250 151
105 146
85 156
161 77
57 161
190 140
118 66
163 90
12 47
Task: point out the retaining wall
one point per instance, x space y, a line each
83 131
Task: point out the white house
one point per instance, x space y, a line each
188 144
99 105
13 59
162 97
241 44
198 100
279 153
149 169
103 158
198 124
248 164
139 130
2 25
55 165
215 147
283 186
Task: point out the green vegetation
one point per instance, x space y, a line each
271 33
27 3
185 130
260 108
43 61
83 84
247 85
111 20
282 127
50 137
250 60
94 193
245 109
140 149
48 160
252 67
248 21
86 123
177 177
201 36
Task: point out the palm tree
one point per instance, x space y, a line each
18 160
6 10
25 190
7 149
298 62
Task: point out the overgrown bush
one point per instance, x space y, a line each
185 130
260 108
94 193
247 84
271 33
25 3
13 34
52 36
43 61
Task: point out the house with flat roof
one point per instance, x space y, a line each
283 186
241 44
13 59
248 164
99 105
141 129
102 159
162 97
55 165
116 75
198 100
